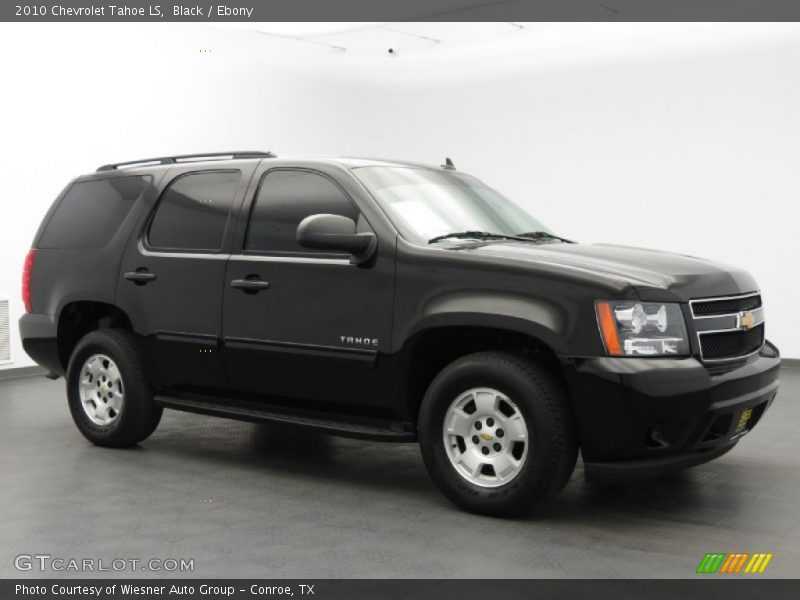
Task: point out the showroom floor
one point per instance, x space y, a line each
242 499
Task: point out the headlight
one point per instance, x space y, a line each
642 328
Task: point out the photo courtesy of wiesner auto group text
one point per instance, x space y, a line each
400 300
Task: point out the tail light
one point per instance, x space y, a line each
26 279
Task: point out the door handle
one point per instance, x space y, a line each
250 285
139 277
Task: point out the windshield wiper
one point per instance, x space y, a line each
477 235
532 236
543 235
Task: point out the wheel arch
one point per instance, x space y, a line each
80 317
425 353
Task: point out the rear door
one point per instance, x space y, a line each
319 332
172 274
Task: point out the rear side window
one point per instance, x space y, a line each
193 212
284 199
91 212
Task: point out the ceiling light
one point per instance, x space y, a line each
300 30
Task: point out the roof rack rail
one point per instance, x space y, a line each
172 160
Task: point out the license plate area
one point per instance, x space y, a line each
744 420
731 425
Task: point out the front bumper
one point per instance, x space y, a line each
643 417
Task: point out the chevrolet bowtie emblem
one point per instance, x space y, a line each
486 437
746 320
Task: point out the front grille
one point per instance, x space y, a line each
725 306
731 344
728 328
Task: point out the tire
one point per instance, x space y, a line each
121 412
528 394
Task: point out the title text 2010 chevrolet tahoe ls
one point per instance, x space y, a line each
389 301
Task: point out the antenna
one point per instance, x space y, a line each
448 164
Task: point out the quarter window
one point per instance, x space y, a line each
91 212
284 199
194 211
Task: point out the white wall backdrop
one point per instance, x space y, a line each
678 137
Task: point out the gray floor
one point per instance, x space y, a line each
245 500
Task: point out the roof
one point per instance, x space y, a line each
213 158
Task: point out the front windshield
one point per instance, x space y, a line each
425 203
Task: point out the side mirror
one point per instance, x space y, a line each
334 232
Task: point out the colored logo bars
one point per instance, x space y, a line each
735 562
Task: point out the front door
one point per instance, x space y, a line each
309 325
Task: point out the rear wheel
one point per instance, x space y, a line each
496 433
109 397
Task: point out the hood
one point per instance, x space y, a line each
655 275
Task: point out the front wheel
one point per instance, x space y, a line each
496 433
109 396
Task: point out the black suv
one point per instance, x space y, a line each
389 301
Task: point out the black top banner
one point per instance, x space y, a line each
401 10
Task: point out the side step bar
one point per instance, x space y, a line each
367 429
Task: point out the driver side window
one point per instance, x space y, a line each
285 198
